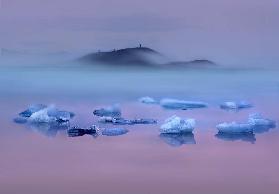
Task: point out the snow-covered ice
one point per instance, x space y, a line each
32 109
177 140
236 105
181 104
147 100
114 132
113 111
175 124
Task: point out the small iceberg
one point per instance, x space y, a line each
181 104
247 137
50 114
122 121
175 124
43 114
79 131
234 127
32 109
235 105
48 129
177 140
113 111
114 132
256 123
147 100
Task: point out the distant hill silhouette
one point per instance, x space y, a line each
142 56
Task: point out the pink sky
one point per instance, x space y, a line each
240 31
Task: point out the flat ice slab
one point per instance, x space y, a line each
113 111
177 140
147 100
122 121
175 124
181 104
114 132
236 105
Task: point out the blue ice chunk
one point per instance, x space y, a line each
236 105
79 131
114 132
177 140
147 100
32 109
113 111
234 127
175 124
248 137
48 129
181 104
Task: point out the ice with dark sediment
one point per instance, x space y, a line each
114 132
176 124
79 131
247 137
147 100
177 140
32 109
113 111
122 121
181 104
235 105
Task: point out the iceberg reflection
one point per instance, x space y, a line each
179 139
245 136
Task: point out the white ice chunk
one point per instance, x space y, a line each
175 124
147 100
181 104
42 117
234 127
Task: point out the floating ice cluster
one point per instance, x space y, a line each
113 111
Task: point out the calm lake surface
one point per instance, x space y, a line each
36 159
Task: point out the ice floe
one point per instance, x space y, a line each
177 140
247 137
114 132
181 104
79 131
122 121
147 100
256 123
236 105
175 124
113 111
